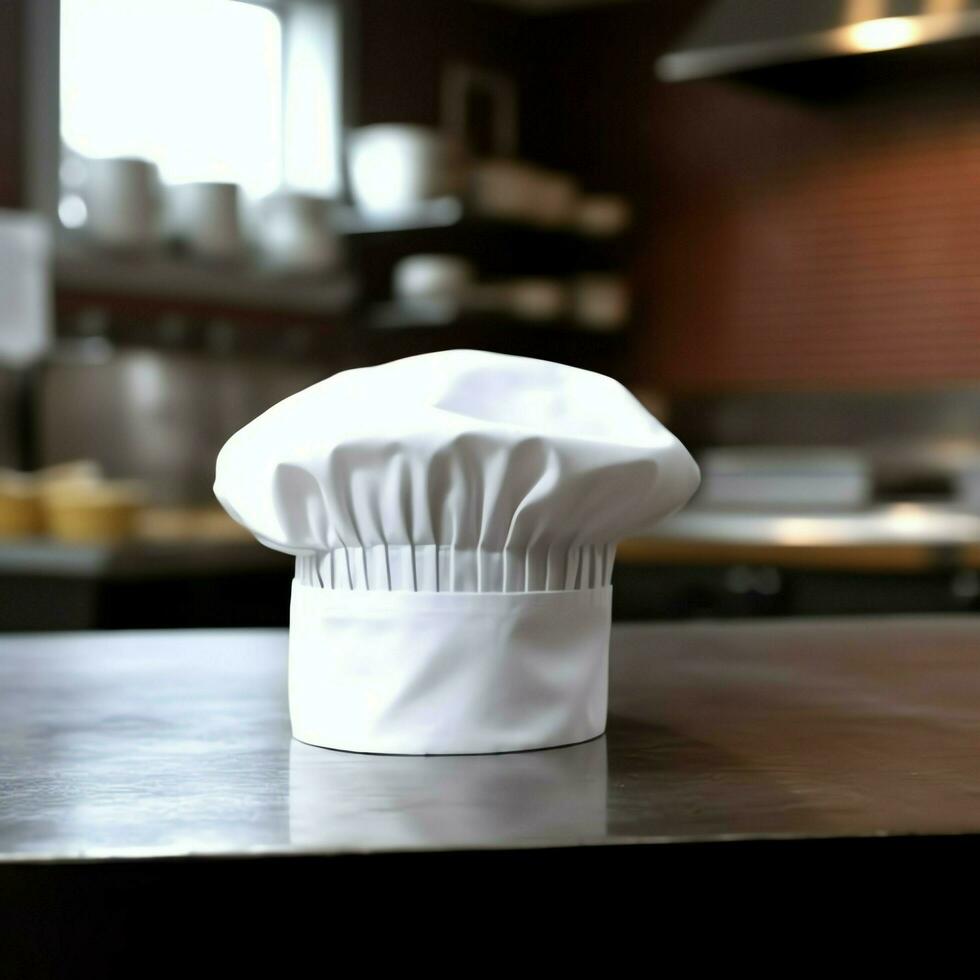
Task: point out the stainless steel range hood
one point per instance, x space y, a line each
734 36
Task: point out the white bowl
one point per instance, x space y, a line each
600 301
554 198
432 277
504 189
536 299
603 215
394 167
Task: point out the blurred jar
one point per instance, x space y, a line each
203 217
394 167
504 189
553 199
600 302
442 277
294 234
535 298
603 215
122 201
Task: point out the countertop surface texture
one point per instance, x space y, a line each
176 743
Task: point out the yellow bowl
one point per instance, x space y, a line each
86 512
20 506
75 471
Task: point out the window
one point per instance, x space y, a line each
209 90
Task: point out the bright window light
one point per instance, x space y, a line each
193 85
311 157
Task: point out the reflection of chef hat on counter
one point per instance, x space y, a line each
454 518
339 800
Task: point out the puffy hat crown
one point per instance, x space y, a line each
459 471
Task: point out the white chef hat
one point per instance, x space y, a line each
454 518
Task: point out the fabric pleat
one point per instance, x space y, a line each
459 471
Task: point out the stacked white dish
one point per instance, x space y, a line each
784 478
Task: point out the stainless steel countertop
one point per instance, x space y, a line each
177 743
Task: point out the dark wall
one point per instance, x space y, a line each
11 99
589 97
402 47
588 81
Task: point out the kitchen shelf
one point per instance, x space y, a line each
498 249
443 212
405 316
450 212
166 278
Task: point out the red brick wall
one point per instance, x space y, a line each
813 246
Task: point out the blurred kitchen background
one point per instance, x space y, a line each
762 216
